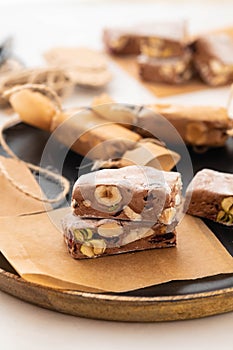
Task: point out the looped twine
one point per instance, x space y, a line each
64 183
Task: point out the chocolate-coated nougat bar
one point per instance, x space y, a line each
210 195
129 193
172 70
161 39
213 58
90 238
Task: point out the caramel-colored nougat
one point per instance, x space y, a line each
197 125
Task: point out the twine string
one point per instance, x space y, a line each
55 79
63 182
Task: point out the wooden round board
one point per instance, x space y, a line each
175 300
137 307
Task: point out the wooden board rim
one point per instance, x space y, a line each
116 307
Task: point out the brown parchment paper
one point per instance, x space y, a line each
12 201
129 64
150 154
35 248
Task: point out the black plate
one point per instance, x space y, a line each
28 143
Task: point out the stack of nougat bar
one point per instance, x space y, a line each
122 210
164 55
167 54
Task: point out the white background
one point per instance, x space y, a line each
37 26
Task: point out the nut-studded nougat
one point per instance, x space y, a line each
158 39
210 195
131 193
172 70
213 58
90 238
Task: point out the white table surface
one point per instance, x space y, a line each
37 26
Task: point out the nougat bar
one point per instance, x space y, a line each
161 39
204 126
172 70
213 58
129 193
210 195
90 238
